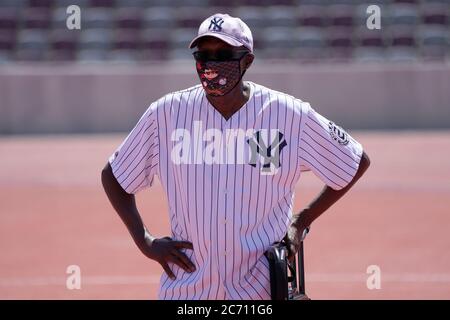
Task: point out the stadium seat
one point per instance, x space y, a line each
370 38
340 44
341 16
64 39
377 2
434 42
193 3
254 17
123 56
310 37
180 38
59 18
311 16
63 44
61 55
283 2
346 2
279 37
438 2
435 14
7 41
180 54
5 57
32 45
126 40
169 3
92 55
8 19
407 1
269 53
210 10
179 41
403 14
18 4
281 16
433 35
340 39
402 37
138 4
189 17
45 4
223 3
154 39
312 2
32 39
257 39
158 18
102 3
402 44
147 54
276 43
254 3
312 44
35 18
369 55
401 54
95 39
128 18
261 3
94 18
63 4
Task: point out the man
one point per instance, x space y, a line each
228 154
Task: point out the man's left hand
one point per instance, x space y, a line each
294 236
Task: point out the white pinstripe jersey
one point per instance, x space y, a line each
231 210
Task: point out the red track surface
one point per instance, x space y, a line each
53 213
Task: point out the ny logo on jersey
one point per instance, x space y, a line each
215 24
268 154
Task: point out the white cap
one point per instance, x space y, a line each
227 28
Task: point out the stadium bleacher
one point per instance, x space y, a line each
303 30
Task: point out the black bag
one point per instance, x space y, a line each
287 280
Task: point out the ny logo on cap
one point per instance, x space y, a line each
269 154
216 24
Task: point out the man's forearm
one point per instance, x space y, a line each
125 206
326 198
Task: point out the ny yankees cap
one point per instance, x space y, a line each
226 28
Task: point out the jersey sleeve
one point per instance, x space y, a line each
135 161
328 150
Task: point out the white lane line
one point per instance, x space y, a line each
85 280
153 279
385 277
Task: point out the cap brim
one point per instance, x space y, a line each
231 41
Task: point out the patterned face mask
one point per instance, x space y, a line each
219 77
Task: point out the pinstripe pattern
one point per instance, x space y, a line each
229 211
335 164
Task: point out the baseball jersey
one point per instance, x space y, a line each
230 182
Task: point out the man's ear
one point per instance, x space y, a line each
248 60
